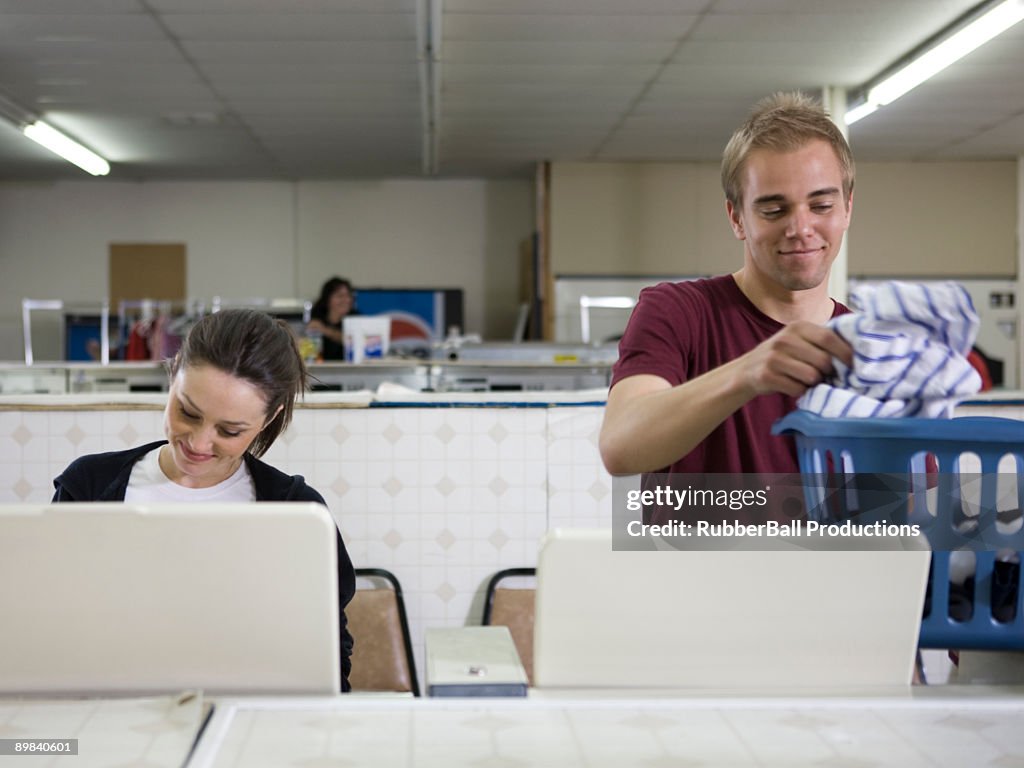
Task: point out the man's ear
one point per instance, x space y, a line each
735 220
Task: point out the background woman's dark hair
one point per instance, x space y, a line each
253 346
319 310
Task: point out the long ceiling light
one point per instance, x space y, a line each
950 47
70 150
429 16
28 123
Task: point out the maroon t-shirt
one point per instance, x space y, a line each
679 331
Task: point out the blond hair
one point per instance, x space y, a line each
783 122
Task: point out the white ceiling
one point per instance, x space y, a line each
241 89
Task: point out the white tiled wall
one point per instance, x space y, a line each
442 497
578 485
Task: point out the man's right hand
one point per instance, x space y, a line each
793 360
649 424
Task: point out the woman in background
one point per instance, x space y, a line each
233 386
337 299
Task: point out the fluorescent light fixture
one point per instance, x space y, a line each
862 110
429 16
72 151
951 49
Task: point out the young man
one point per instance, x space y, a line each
706 366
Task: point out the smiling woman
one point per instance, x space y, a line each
233 386
211 420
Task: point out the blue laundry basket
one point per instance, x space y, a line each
880 469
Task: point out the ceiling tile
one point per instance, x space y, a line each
61 7
573 53
457 74
581 7
548 27
53 29
267 26
272 89
281 7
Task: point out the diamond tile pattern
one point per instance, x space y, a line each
446 486
393 486
446 592
75 435
393 539
445 433
21 435
445 539
129 436
22 489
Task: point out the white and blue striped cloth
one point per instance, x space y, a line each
910 343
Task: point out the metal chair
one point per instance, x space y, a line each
512 607
382 659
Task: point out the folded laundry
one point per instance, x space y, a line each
910 344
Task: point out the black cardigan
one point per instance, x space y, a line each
104 477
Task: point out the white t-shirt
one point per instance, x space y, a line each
149 483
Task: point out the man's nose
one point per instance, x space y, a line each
799 223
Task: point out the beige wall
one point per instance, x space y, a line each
957 219
274 239
910 219
419 233
638 219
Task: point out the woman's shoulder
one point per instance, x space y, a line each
114 458
271 484
99 476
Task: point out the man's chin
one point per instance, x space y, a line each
802 281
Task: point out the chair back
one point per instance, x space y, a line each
512 607
382 659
